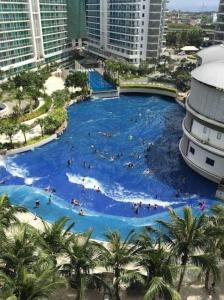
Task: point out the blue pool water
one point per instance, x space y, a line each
102 137
98 83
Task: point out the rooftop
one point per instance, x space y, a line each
213 53
211 73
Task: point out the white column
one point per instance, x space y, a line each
103 24
35 19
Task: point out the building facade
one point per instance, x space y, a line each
202 144
33 32
129 29
219 30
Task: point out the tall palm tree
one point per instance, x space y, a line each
24 128
8 211
40 282
55 236
160 268
83 257
117 255
186 238
19 249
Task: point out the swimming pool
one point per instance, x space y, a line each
104 137
98 83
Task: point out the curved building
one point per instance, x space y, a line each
202 144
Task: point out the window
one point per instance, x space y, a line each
192 150
204 130
219 135
210 161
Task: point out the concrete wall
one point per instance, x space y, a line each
148 91
207 101
199 159
211 136
31 147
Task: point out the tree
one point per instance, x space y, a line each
24 128
40 282
19 97
41 122
77 79
185 236
83 257
117 255
55 236
159 264
8 211
9 128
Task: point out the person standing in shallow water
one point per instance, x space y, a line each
49 200
37 203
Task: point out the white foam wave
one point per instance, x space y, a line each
16 171
117 192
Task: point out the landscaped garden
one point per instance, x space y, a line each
32 114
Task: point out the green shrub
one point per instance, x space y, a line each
155 87
52 122
40 111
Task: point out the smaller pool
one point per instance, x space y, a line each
98 83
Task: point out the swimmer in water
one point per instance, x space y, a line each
76 202
98 189
49 200
37 203
81 212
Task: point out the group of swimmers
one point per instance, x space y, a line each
137 206
76 203
37 202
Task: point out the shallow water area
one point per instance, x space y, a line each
114 153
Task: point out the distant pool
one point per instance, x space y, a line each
98 83
102 138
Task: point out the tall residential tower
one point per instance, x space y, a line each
36 31
129 29
219 30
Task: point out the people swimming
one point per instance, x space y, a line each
37 203
202 205
69 162
81 212
49 200
98 189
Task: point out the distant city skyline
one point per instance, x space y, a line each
192 5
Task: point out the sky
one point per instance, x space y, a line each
194 5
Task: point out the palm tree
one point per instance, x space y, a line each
55 236
24 128
83 257
9 128
158 262
117 255
19 97
19 249
8 211
40 282
41 122
186 238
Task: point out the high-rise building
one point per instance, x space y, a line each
202 144
129 29
37 31
219 30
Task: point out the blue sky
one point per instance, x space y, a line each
194 4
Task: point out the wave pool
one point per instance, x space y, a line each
114 153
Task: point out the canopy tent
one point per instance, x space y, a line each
189 49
